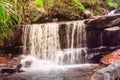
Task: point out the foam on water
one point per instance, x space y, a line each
30 63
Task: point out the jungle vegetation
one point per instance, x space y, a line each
8 19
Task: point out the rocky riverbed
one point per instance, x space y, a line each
59 74
76 72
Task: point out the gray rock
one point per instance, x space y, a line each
108 73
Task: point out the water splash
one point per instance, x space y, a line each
43 42
31 63
115 11
71 56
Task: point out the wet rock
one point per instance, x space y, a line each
66 78
12 66
114 22
100 23
94 39
106 37
111 36
116 11
111 57
8 71
18 67
95 54
108 73
103 31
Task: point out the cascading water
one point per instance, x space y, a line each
115 11
43 42
76 29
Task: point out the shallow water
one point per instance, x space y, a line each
74 72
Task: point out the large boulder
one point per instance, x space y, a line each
108 73
67 11
100 23
111 57
59 11
103 31
37 15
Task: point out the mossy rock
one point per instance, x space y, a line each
67 12
37 15
60 11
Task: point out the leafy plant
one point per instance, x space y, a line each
39 3
8 18
117 2
112 4
79 5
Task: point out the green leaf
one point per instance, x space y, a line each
8 17
79 5
112 4
39 3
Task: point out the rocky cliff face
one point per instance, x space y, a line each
103 31
103 34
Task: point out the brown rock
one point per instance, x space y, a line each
3 61
111 36
103 22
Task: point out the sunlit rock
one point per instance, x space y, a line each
111 57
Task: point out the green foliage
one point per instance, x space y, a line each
79 5
117 2
48 4
112 4
39 3
96 7
8 18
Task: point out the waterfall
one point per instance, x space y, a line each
115 11
76 30
43 41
